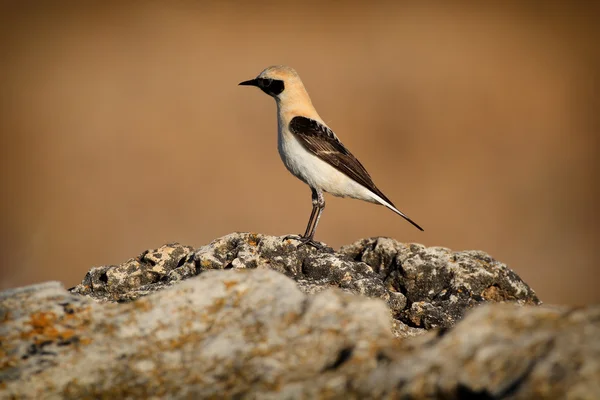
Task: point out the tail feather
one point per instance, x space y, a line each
384 201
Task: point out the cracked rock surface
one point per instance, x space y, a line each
250 316
424 287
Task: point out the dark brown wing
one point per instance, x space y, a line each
322 142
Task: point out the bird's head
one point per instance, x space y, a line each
276 80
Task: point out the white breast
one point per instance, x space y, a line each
315 172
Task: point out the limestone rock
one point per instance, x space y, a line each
222 334
251 333
424 287
439 284
500 351
151 271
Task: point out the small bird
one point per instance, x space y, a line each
312 152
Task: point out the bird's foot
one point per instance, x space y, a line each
304 241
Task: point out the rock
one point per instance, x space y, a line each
252 333
500 351
151 271
222 334
439 284
424 287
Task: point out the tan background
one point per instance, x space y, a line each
122 128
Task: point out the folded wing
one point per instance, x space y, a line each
323 143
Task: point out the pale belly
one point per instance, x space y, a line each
317 173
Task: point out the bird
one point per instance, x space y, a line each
312 152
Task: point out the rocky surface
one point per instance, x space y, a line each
249 316
222 334
424 287
499 351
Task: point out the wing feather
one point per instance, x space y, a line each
323 143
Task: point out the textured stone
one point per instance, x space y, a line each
424 287
253 334
222 334
151 271
439 284
499 351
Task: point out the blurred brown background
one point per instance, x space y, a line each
123 128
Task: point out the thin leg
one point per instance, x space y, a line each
315 201
310 221
318 200
320 207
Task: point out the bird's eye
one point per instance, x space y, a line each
267 82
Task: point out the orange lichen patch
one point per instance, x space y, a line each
494 293
176 343
181 341
142 305
47 326
253 239
42 323
205 263
229 284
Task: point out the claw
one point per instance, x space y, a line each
310 242
304 241
294 237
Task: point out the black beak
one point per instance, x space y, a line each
251 82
